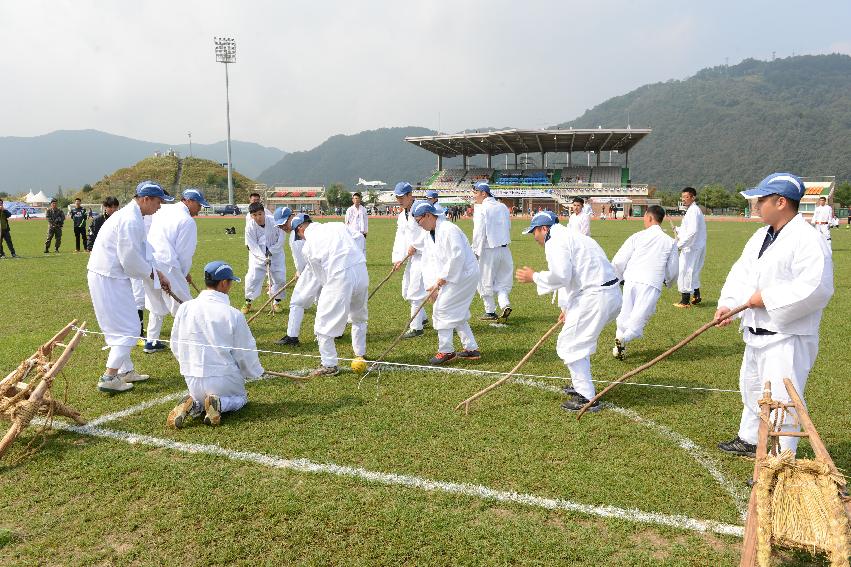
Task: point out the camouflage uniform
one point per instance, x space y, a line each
55 220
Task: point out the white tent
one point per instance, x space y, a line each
40 198
29 197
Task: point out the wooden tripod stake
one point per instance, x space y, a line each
661 357
466 403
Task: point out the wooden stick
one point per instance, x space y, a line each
46 348
38 394
195 287
294 377
392 271
174 297
466 403
399 338
748 558
279 292
662 356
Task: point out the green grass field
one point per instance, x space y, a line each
385 471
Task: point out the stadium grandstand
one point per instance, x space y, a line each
304 199
543 168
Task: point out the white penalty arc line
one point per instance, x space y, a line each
409 481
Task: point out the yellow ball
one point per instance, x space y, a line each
359 365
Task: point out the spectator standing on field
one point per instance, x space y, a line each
110 205
79 216
55 219
5 233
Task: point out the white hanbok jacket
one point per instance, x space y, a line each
491 225
173 236
121 246
260 239
331 249
408 233
648 257
296 249
580 223
356 219
209 319
794 274
448 256
691 234
822 215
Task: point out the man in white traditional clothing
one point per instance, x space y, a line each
450 267
646 261
691 242
173 236
785 276
588 296
357 220
255 198
579 221
306 291
265 245
119 254
216 351
409 242
335 257
491 237
822 215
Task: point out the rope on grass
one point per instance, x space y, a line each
429 368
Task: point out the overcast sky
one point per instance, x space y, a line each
307 70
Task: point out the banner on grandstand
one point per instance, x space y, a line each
607 200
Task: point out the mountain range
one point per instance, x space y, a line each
72 158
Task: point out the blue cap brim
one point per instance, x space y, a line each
203 202
755 192
529 230
167 198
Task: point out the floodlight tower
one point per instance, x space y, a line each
226 53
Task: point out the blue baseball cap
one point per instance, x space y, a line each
297 221
784 184
282 214
219 271
431 194
151 189
544 218
195 195
402 188
483 187
419 208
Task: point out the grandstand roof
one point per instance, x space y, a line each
528 141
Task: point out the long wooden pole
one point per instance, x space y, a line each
268 301
388 276
294 377
466 403
195 287
399 338
662 356
748 558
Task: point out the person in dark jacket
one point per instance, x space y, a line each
55 219
5 233
79 216
110 205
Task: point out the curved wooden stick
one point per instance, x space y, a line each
662 356
399 338
392 271
195 287
293 377
466 403
268 301
174 297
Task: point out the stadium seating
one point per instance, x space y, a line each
524 177
607 175
575 174
448 179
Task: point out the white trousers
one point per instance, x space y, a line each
639 304
691 264
138 293
305 294
342 300
584 320
117 316
791 357
229 389
824 230
446 342
159 304
257 274
580 376
414 290
496 272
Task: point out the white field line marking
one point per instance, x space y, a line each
691 448
428 485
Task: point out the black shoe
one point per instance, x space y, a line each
489 317
737 446
506 312
412 333
577 401
569 390
469 354
47 251
695 300
2 256
442 358
619 351
287 340
14 255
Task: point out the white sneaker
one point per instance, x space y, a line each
132 376
113 384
